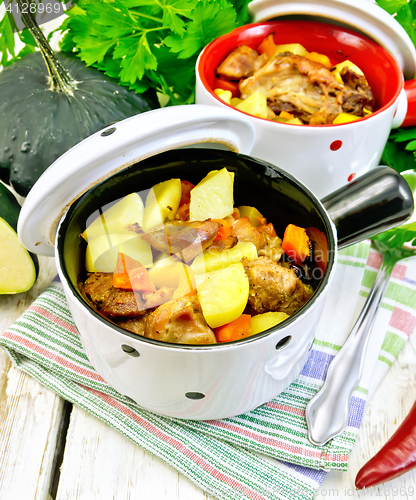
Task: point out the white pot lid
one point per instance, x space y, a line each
362 15
116 147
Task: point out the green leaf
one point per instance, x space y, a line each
95 53
391 6
136 57
209 20
7 42
410 146
398 236
27 38
403 134
240 7
113 18
395 156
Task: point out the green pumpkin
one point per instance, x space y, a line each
37 124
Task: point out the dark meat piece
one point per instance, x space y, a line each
97 287
188 239
242 62
274 288
122 303
305 88
359 97
179 321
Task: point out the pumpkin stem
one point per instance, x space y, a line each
60 81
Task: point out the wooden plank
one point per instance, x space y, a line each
101 463
31 416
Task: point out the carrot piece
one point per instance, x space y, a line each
131 275
267 46
286 115
296 243
321 58
225 229
219 83
320 250
237 329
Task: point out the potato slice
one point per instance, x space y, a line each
262 322
295 48
212 259
223 295
345 118
213 197
101 254
224 95
162 203
128 210
255 104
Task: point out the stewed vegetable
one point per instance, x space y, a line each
182 264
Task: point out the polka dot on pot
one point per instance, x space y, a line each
335 145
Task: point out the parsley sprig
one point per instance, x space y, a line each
149 43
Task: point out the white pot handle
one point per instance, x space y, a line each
401 111
117 147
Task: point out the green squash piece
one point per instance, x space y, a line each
18 267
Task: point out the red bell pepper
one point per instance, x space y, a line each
395 458
219 83
224 231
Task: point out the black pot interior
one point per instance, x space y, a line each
276 194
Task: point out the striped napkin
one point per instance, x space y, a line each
263 454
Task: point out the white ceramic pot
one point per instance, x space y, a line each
187 381
325 157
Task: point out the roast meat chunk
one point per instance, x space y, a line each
273 287
124 303
242 62
186 239
97 287
179 321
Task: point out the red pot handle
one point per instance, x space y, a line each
410 89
